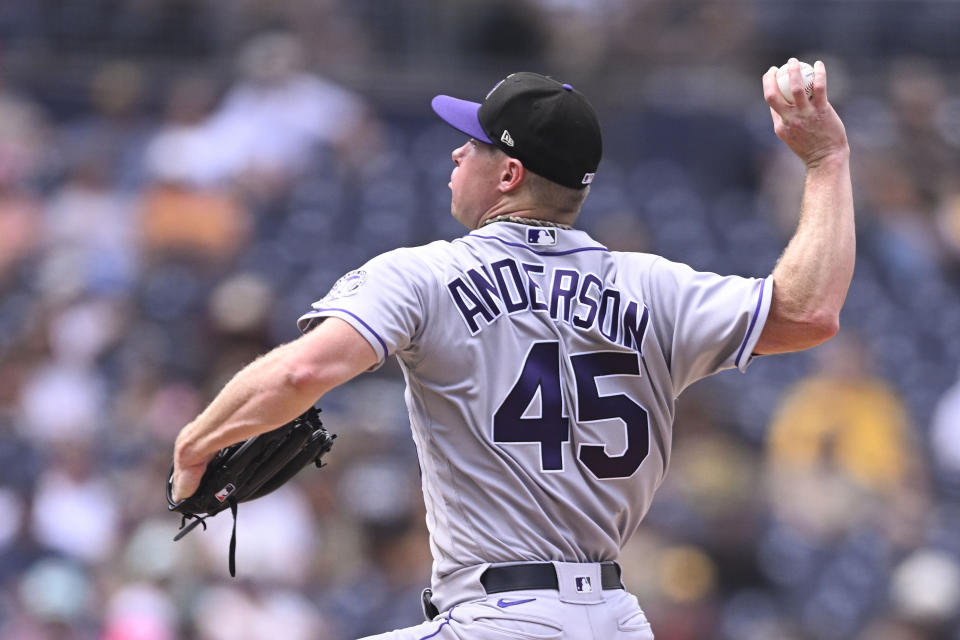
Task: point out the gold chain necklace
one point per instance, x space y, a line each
533 222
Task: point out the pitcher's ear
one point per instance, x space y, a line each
511 175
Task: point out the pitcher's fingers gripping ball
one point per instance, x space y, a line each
806 78
810 127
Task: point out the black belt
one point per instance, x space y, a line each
539 575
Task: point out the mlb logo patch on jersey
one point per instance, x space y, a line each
542 237
583 584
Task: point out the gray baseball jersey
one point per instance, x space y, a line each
542 371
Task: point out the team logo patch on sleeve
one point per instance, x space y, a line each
347 285
542 237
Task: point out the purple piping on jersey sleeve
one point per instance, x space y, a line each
539 253
386 352
753 322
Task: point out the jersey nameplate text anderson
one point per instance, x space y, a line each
567 295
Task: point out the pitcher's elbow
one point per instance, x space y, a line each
812 329
823 326
303 378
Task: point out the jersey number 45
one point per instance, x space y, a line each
541 371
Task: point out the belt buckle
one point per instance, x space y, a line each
579 582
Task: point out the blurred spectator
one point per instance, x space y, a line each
202 225
140 611
20 226
945 434
24 136
183 150
276 537
925 591
782 186
148 557
841 448
395 559
189 209
241 304
89 233
274 118
13 508
917 89
64 398
58 601
23 146
114 132
687 32
926 588
948 225
75 512
846 491
570 36
846 419
261 614
62 401
903 235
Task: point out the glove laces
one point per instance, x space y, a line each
202 520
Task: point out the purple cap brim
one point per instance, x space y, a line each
461 115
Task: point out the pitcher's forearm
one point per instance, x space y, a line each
264 395
817 264
268 393
276 388
813 275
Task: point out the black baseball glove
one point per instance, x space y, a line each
251 469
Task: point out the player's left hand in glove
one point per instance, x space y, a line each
250 469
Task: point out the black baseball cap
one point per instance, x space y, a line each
548 126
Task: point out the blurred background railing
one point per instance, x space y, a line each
180 179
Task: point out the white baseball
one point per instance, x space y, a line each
783 81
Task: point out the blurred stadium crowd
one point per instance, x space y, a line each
180 179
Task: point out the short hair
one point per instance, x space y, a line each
548 193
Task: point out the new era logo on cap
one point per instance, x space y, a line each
506 138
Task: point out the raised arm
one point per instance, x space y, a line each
269 392
811 279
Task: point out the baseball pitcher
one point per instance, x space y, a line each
543 369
